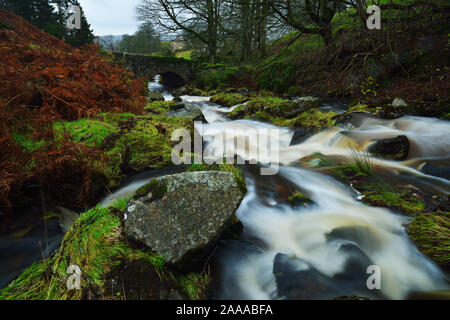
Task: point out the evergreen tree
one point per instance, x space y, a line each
43 15
39 12
76 38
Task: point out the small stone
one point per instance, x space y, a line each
399 103
391 148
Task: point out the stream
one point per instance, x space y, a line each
324 250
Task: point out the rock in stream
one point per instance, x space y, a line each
181 217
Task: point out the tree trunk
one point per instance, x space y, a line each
212 29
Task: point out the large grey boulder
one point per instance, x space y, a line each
181 217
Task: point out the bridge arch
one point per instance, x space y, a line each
174 72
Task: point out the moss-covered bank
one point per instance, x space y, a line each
132 143
111 267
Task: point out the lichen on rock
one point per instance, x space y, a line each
184 224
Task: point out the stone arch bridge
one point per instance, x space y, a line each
174 72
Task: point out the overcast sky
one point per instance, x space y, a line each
111 17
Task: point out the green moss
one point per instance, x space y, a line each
381 196
198 92
90 131
272 106
95 244
196 285
27 142
314 118
375 190
149 144
231 168
155 187
431 233
317 160
360 108
299 199
159 107
228 99
134 143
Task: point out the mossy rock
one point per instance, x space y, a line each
132 143
155 187
159 107
229 99
234 169
298 199
285 113
155 96
376 192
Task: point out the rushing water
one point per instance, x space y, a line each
324 251
156 85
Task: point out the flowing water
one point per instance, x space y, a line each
324 251
156 85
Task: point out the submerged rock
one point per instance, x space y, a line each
302 134
437 171
298 280
391 148
180 217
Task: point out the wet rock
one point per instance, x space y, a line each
298 280
180 217
399 103
436 171
194 114
139 280
391 148
302 134
433 295
183 91
177 106
155 96
298 106
298 199
391 112
351 119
